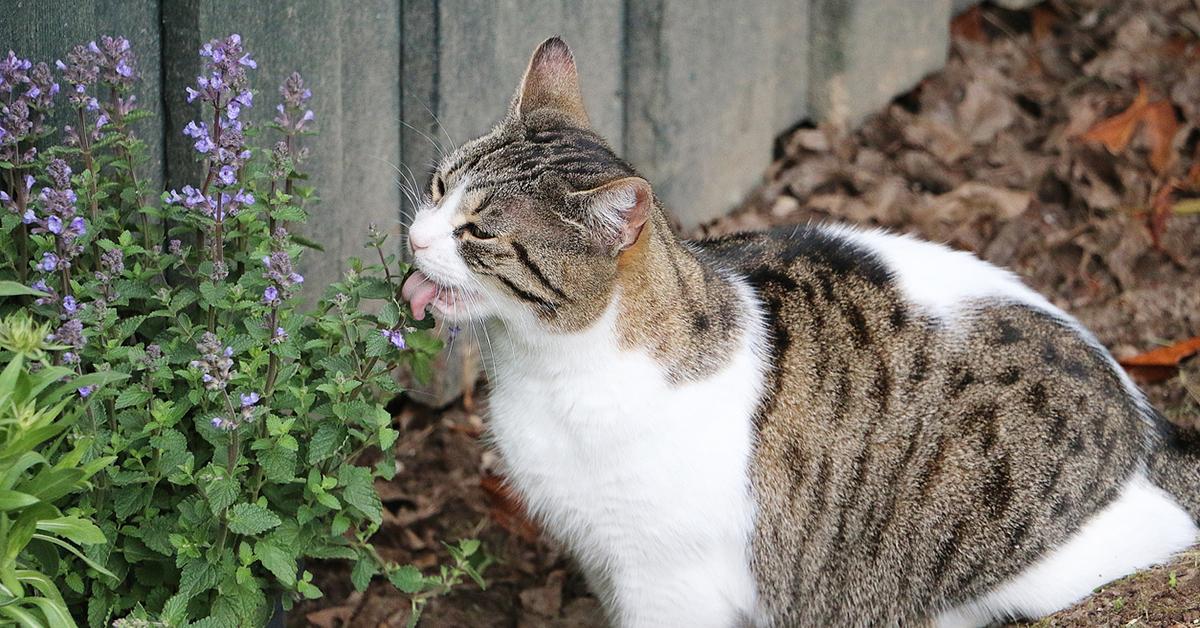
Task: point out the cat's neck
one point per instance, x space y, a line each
685 312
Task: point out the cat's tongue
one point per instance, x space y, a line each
419 291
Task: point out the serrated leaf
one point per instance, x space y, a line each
376 289
132 397
377 345
326 441
361 575
278 561
358 490
278 463
221 493
389 314
251 519
407 578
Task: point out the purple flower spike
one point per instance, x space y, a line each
85 391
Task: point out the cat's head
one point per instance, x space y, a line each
530 221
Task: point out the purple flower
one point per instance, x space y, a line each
394 336
227 175
223 424
215 364
279 336
271 296
49 262
70 306
175 247
54 225
85 391
249 399
28 217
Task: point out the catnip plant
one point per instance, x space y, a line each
246 437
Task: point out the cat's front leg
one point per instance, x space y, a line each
700 593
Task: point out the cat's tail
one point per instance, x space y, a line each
1175 464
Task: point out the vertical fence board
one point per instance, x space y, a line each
350 60
864 53
709 86
45 30
464 59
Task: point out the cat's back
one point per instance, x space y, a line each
929 421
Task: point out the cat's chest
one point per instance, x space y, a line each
596 439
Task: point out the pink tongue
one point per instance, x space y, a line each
418 290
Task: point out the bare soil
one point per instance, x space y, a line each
1059 142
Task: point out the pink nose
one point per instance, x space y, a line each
418 241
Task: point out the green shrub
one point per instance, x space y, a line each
41 465
251 428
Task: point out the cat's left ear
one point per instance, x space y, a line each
551 82
615 212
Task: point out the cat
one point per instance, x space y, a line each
812 426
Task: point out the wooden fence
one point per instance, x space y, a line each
692 92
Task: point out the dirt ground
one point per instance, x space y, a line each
1059 142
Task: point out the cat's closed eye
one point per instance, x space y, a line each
473 231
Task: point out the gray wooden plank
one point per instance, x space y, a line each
710 85
464 60
45 30
864 53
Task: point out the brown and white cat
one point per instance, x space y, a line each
817 426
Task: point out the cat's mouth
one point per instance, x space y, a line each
421 291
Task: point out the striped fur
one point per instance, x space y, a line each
809 426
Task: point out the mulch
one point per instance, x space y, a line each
1060 142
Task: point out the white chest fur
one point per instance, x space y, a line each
644 481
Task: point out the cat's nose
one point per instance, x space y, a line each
418 241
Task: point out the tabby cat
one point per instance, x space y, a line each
814 426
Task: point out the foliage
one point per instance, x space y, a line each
41 465
251 428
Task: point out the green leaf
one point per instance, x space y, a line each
407 578
14 289
362 573
132 397
278 463
221 492
376 289
13 500
251 519
389 315
278 561
326 441
359 491
78 530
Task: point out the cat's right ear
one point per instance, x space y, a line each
551 82
615 212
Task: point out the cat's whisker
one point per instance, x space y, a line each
436 145
453 145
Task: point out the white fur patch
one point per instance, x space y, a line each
1142 527
646 481
941 280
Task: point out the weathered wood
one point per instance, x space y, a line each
709 87
45 30
464 58
864 53
351 61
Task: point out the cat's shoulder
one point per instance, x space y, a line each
933 277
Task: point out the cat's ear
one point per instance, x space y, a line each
551 82
615 212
